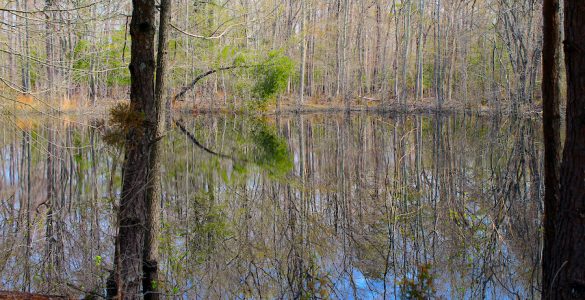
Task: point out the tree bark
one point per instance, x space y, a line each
567 252
552 132
133 211
153 190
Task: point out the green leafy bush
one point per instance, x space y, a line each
272 76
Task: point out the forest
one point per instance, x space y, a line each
294 149
478 55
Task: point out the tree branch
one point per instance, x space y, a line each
213 37
192 84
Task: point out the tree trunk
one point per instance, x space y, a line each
153 191
25 68
418 90
567 252
133 213
552 132
49 30
407 27
377 49
438 56
301 99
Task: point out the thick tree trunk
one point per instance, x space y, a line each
567 252
133 213
552 132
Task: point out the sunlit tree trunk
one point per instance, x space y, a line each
301 97
438 55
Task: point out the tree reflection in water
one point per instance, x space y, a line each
332 206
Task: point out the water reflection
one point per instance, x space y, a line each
367 203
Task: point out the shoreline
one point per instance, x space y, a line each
391 109
183 108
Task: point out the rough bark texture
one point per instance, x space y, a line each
133 213
153 193
568 250
552 131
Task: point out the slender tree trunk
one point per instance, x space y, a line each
338 50
438 56
344 48
310 83
377 50
552 133
419 54
404 90
25 68
395 12
49 45
301 99
92 62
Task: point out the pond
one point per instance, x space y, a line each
345 206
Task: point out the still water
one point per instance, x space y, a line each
359 206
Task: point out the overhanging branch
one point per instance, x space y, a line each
192 84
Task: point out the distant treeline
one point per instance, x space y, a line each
476 53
